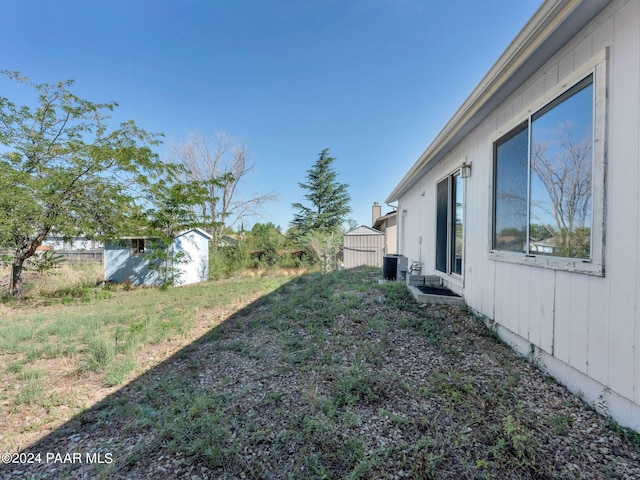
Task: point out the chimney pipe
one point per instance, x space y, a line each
376 213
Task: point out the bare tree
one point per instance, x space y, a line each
562 163
221 164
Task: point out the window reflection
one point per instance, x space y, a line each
561 172
511 191
543 184
458 202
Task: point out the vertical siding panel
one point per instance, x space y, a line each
565 66
637 296
509 292
428 252
598 326
579 322
636 103
547 309
502 116
537 89
486 277
542 308
523 303
598 289
486 286
623 199
517 105
535 326
488 289
551 77
603 36
479 277
500 315
621 347
583 52
562 320
507 289
527 97
411 222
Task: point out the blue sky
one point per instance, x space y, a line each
373 80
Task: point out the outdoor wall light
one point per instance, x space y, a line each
465 170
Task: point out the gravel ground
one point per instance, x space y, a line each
337 376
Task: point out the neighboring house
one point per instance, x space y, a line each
125 260
71 244
563 101
387 224
363 246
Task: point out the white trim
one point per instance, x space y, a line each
196 229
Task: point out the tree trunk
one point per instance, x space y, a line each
15 283
22 254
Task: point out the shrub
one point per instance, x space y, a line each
226 261
296 259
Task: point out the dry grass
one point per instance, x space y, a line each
274 271
61 354
332 377
65 278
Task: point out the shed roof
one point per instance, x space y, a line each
198 230
551 27
144 234
364 230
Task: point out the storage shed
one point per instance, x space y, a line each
363 246
127 259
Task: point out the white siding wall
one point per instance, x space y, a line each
589 323
195 265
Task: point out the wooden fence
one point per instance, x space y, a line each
73 257
81 256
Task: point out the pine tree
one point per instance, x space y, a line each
329 199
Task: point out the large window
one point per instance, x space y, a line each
449 224
543 179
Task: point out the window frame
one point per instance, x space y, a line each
135 246
449 254
597 67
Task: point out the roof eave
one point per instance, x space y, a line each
553 24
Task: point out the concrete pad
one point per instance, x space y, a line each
436 298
